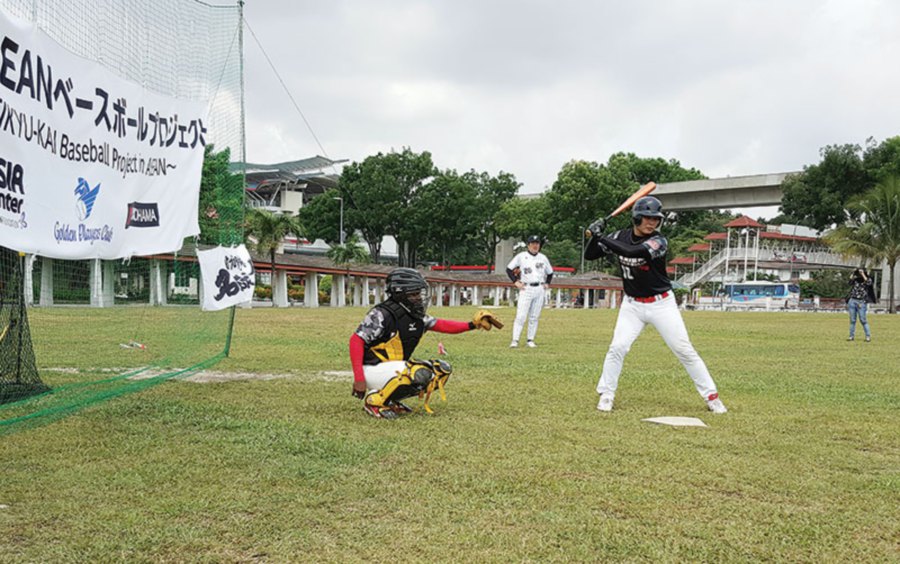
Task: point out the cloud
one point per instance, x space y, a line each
727 87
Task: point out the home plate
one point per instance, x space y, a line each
676 421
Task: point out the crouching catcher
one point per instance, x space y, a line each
384 372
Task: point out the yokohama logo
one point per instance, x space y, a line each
142 215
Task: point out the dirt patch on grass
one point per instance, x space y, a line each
216 376
213 376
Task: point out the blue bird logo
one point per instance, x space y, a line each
86 198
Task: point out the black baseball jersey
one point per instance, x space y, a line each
391 333
642 260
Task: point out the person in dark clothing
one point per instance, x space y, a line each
641 253
862 293
384 372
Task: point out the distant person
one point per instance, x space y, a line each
641 254
531 272
862 293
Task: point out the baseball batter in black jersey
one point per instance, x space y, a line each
641 253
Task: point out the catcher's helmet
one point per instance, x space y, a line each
648 206
408 288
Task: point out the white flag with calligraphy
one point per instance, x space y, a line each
227 276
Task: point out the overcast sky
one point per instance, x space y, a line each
728 87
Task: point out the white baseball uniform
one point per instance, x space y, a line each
534 271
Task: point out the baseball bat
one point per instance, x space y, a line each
638 194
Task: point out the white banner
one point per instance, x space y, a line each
227 276
91 165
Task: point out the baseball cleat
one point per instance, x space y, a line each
399 407
380 412
514 345
531 344
868 339
606 403
716 406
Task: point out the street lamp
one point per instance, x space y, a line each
342 217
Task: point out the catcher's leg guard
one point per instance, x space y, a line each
411 381
442 371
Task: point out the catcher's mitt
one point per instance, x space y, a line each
484 319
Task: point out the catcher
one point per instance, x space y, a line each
384 373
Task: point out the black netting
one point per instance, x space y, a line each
18 373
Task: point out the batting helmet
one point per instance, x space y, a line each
648 206
408 288
534 239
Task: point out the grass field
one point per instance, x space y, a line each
517 466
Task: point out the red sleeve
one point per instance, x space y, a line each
450 326
357 350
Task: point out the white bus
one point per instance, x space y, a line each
752 295
769 295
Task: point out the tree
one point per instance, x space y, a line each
825 284
491 192
876 235
269 230
583 191
644 170
520 217
883 159
221 199
321 218
351 251
444 216
563 253
817 197
378 195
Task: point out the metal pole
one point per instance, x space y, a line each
756 255
582 229
791 256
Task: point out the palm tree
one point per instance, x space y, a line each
350 251
877 236
269 230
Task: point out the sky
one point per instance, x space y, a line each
729 88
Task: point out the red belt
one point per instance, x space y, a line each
652 299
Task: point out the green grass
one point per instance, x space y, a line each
517 466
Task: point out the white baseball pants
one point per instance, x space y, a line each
664 316
377 375
531 300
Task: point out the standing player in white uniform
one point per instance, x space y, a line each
532 278
641 252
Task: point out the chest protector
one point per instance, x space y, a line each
404 334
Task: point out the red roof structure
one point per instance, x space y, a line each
744 221
682 260
699 248
777 235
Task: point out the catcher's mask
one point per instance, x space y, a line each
648 206
408 288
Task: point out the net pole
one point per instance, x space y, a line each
19 321
243 153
